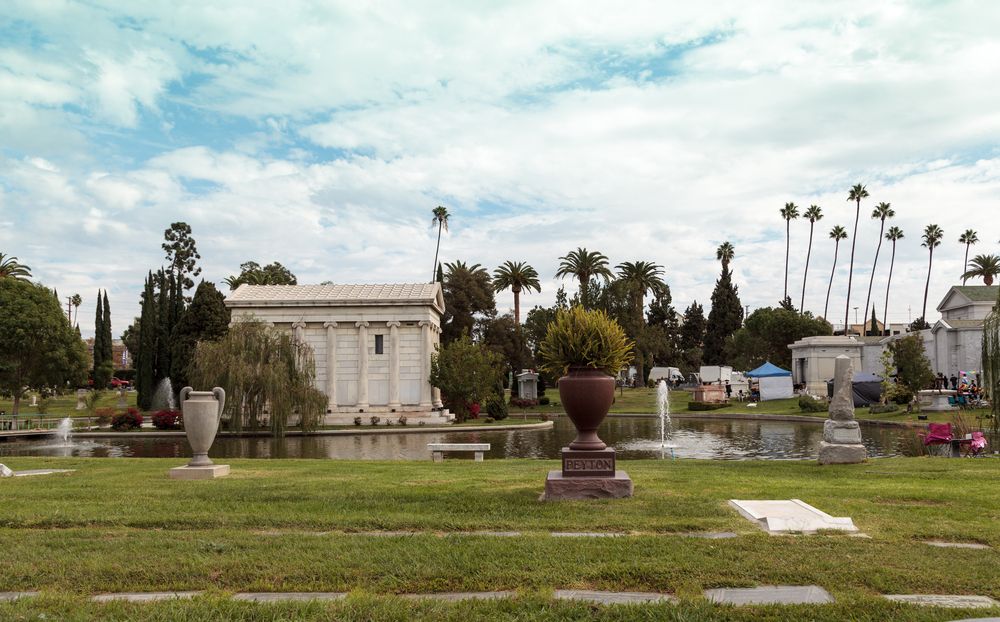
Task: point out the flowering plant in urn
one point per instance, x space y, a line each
587 348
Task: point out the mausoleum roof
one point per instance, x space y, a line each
337 295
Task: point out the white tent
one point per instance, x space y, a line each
775 383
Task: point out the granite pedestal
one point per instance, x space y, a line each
587 475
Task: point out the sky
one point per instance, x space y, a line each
322 134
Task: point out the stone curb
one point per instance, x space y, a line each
362 430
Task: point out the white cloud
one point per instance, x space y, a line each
652 133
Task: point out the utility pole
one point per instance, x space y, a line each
69 309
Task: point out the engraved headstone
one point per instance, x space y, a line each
81 396
841 442
122 400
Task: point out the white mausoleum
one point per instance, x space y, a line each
954 344
372 343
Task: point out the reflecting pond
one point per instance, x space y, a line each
632 437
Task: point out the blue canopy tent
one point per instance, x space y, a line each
774 383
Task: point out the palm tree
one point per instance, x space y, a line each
932 239
837 234
985 266
516 277
857 193
814 213
583 265
725 253
441 216
968 238
882 212
894 234
789 212
76 301
11 267
640 277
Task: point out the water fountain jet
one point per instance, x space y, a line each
663 408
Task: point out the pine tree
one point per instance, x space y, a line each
724 319
146 355
207 319
693 335
107 354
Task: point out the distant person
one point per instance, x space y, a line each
954 382
729 390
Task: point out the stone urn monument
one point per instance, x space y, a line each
585 346
841 442
202 413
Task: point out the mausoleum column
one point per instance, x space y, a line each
331 365
394 365
300 339
426 347
435 392
362 365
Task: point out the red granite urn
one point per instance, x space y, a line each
586 395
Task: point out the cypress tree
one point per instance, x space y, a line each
724 319
98 333
108 353
162 329
146 356
693 336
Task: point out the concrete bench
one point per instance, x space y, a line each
438 450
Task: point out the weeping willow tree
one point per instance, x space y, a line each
267 376
991 366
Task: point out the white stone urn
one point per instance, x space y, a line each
202 414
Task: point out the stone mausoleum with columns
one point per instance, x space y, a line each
372 344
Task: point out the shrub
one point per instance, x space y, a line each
375 419
496 407
810 404
128 420
43 405
489 419
880 409
474 409
168 419
706 405
903 397
402 420
104 416
543 401
357 421
581 338
520 402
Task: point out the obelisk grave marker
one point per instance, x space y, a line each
841 442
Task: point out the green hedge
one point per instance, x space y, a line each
707 405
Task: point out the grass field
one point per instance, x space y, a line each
643 401
287 525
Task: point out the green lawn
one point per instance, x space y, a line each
287 525
65 405
643 401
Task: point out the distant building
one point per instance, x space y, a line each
953 344
120 356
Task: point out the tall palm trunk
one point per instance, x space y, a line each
436 249
802 303
640 371
965 266
788 244
885 312
850 272
927 286
871 281
517 306
836 250
584 282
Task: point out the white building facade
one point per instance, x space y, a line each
372 344
954 344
